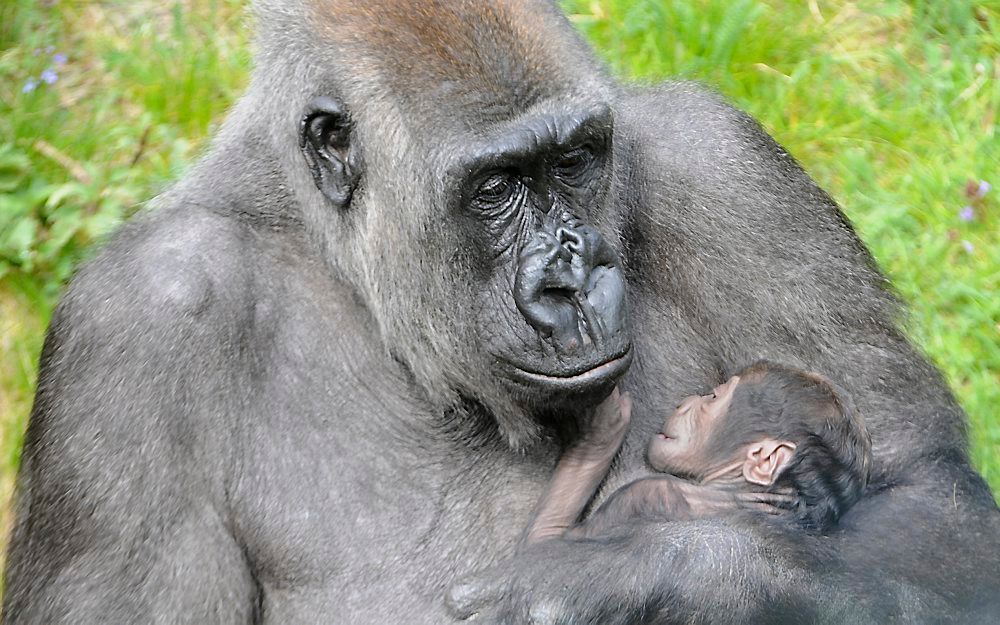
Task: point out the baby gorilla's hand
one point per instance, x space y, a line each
613 414
606 430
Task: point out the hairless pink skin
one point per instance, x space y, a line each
680 447
580 471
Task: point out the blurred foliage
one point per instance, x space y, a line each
102 104
134 85
44 226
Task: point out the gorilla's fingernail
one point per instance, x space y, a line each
459 600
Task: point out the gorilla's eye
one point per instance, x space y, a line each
575 162
496 189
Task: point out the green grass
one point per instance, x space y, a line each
891 106
141 88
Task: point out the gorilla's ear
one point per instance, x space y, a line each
326 140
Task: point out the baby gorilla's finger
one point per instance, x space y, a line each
612 415
608 411
762 507
625 405
777 499
771 503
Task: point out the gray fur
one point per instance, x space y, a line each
248 411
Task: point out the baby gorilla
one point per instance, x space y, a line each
771 438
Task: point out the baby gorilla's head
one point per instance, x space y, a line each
782 430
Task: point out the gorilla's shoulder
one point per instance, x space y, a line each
690 142
685 118
683 104
167 265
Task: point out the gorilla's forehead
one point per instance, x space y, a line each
495 59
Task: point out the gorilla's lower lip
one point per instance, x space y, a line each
608 369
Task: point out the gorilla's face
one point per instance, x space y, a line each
489 260
534 194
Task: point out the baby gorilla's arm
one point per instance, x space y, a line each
666 498
580 471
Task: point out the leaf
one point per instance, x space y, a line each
14 168
101 224
61 233
17 240
12 207
60 193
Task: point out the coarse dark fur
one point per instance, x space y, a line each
257 406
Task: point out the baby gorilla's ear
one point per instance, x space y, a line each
766 459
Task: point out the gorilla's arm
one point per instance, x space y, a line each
667 498
893 561
711 571
729 235
122 512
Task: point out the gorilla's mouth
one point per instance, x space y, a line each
610 369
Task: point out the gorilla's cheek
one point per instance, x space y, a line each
606 294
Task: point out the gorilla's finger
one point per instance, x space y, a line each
465 599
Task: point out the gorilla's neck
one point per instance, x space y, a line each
236 179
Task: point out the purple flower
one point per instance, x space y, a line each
975 191
967 214
49 76
59 59
968 246
29 86
50 49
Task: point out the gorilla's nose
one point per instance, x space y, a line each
571 240
569 287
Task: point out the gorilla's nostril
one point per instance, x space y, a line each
570 239
559 293
563 295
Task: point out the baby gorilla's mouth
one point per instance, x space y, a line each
667 436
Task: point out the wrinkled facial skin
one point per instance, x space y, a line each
682 447
536 193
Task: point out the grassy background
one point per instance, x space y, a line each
891 105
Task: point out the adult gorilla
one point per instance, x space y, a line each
321 379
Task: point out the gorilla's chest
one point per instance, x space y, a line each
343 502
345 499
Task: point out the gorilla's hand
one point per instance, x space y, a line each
654 572
559 582
513 592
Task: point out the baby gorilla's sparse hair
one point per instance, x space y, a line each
830 467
